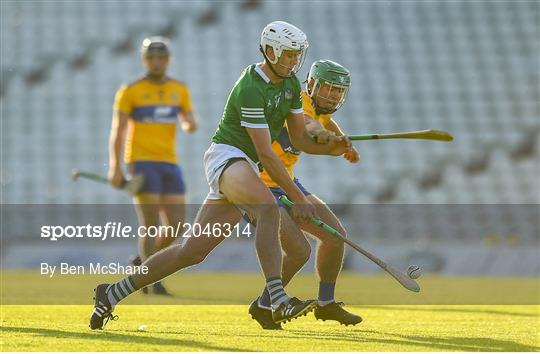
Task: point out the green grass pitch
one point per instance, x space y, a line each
192 321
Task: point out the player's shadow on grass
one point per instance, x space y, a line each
121 338
493 312
444 343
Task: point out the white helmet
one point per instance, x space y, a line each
281 35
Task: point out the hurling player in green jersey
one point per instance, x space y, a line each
326 90
265 98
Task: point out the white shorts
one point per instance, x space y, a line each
215 159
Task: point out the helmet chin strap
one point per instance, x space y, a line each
270 65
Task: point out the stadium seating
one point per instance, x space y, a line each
469 68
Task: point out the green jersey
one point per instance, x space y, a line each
255 102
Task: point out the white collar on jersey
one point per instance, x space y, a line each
261 72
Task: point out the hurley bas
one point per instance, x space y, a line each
92 268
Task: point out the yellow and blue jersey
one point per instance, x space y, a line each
283 147
153 111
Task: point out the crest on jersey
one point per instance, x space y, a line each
288 94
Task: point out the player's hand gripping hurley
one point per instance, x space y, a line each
401 277
132 185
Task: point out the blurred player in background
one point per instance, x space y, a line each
145 117
326 90
265 96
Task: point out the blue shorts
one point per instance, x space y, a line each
278 192
159 177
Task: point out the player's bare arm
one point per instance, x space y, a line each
333 126
336 145
352 155
317 130
116 145
271 163
189 122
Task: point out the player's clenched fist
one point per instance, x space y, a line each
303 210
352 155
339 145
322 136
116 177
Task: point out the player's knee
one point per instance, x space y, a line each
149 218
334 242
193 258
304 254
300 255
197 258
269 211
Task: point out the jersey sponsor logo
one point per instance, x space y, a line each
156 114
288 94
162 111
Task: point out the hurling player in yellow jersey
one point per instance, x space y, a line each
146 113
326 90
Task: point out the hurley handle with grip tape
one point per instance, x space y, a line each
314 220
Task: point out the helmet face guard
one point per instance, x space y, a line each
282 36
291 70
330 92
330 84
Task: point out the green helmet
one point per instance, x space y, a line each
338 79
